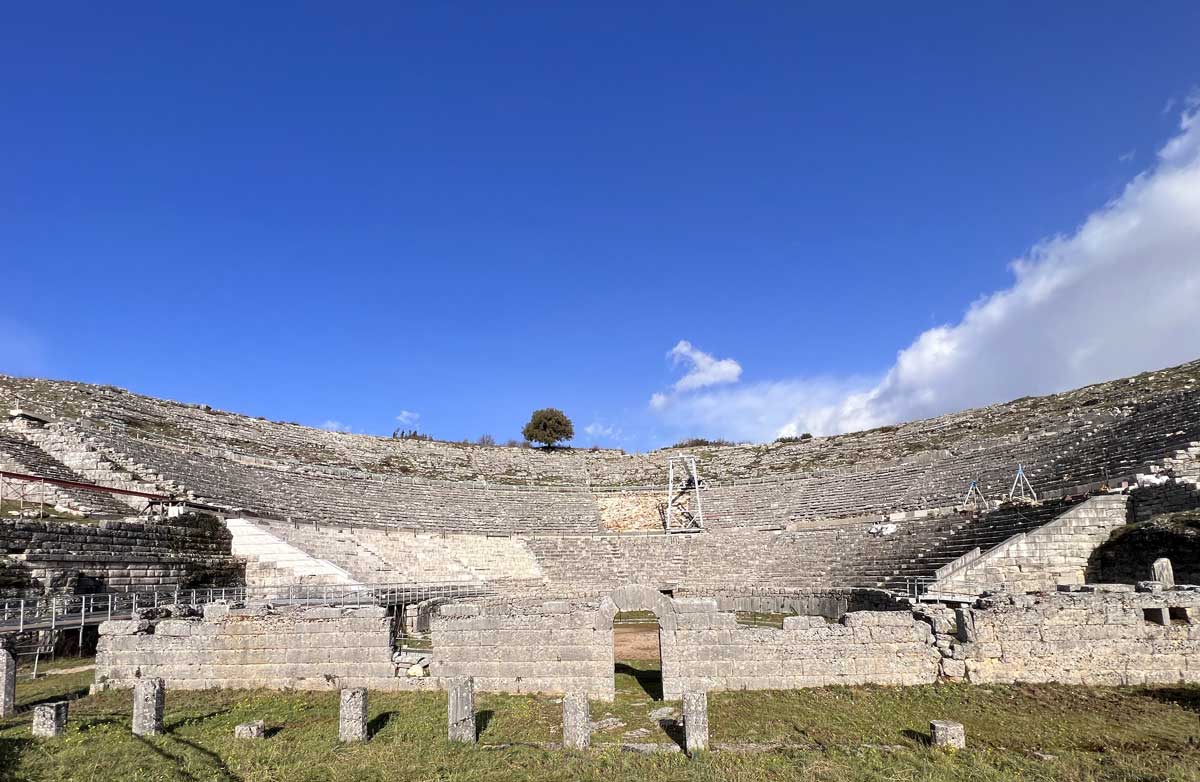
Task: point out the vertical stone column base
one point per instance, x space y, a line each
352 717
50 719
947 734
695 721
149 697
460 709
577 721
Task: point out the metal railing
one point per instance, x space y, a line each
63 612
915 587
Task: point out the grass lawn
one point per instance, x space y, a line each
1020 732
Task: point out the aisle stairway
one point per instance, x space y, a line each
274 562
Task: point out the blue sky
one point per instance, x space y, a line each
467 212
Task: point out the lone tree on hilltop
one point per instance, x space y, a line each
548 426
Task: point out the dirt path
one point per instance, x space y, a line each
635 641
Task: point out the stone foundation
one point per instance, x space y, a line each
1092 635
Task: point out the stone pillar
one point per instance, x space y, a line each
947 734
148 700
250 730
352 719
8 684
695 721
577 721
1163 572
461 709
49 719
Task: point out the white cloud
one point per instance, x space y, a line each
408 417
335 426
605 431
1128 156
1115 297
703 371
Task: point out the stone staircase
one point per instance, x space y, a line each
271 562
1041 558
961 536
88 460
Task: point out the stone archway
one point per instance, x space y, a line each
636 597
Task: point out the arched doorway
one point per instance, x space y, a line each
642 622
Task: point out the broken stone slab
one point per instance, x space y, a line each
460 710
352 715
695 721
149 698
577 722
608 723
1150 586
1163 572
948 734
50 719
665 713
250 730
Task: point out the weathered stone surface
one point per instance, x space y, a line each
695 721
947 734
352 717
50 719
1163 572
250 730
149 699
461 709
8 684
577 721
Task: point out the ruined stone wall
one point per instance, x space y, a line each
306 649
830 603
1112 637
526 646
120 556
1109 635
864 647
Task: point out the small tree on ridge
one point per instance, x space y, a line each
548 426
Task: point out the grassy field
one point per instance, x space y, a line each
835 734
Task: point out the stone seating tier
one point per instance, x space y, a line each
1104 432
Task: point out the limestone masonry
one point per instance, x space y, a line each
384 564
1099 634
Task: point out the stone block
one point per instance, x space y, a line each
460 709
126 627
947 734
250 730
577 721
8 684
149 698
1163 572
695 721
352 716
49 719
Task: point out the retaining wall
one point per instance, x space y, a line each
120 556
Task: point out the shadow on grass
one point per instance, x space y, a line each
1183 697
675 732
170 727
917 737
650 680
379 722
10 753
180 762
70 695
482 720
